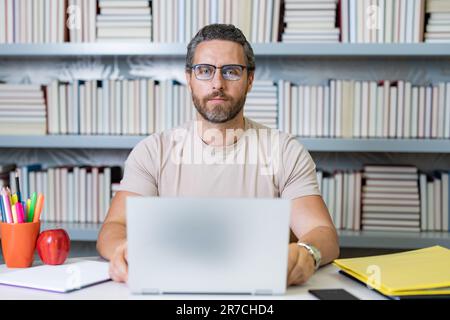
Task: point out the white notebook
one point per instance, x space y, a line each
62 278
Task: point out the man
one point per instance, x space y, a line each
220 68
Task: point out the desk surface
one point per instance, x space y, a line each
326 278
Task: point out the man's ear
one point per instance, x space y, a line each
188 80
251 78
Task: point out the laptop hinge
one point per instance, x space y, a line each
263 292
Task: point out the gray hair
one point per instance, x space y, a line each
226 32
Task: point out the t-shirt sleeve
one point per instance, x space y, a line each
299 176
140 173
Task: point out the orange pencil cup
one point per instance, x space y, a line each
19 243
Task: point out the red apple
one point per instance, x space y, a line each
53 246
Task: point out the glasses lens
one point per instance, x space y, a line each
232 72
204 72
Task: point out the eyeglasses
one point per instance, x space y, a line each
232 72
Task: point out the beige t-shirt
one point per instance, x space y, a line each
263 163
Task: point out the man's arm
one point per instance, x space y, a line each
311 223
112 238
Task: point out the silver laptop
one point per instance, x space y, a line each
206 245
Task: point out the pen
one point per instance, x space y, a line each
14 214
2 209
18 186
14 199
33 206
19 212
7 205
40 205
23 206
28 206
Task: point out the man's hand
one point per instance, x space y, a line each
300 265
118 266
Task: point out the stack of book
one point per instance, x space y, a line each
262 103
435 205
22 110
179 21
382 21
112 107
310 21
438 26
72 194
81 20
32 22
365 109
124 21
390 198
341 192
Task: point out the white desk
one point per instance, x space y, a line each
326 277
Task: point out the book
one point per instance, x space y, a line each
424 272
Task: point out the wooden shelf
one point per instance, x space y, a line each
312 144
260 49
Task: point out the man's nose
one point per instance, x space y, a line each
218 81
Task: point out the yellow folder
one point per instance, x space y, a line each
418 272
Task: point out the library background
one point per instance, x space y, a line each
364 84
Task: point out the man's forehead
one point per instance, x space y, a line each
219 52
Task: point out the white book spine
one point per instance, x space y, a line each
125 107
333 108
339 108
380 112
320 111
326 125
119 107
430 203
423 202
437 205
392 112
352 24
100 111
414 112
441 110
357 108
313 113
435 112
143 106
276 20
281 105
381 20
294 118
408 111
445 202
63 108
107 105
409 21
76 195
373 95
447 111
401 108
365 114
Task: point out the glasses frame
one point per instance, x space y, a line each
215 69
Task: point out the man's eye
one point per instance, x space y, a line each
204 71
232 72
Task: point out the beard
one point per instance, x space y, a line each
219 113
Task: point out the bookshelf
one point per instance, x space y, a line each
312 144
275 51
167 50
